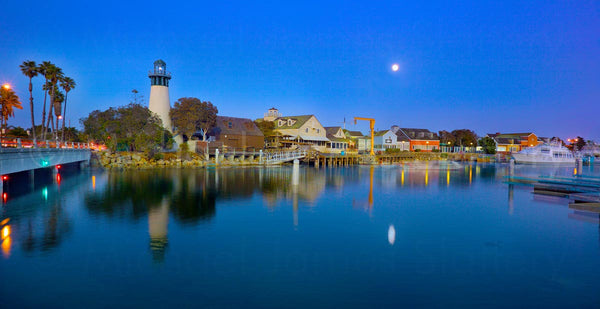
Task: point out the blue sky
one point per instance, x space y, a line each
487 66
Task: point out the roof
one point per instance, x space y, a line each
415 134
507 141
509 135
298 121
312 138
337 139
332 130
353 133
239 126
508 138
381 133
401 137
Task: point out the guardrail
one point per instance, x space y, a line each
17 142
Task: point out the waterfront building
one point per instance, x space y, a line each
364 144
352 138
514 142
159 93
238 133
272 114
384 140
337 138
402 141
303 131
421 139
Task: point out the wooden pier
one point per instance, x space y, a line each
331 160
583 191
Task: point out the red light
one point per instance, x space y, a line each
4 177
4 197
58 167
58 178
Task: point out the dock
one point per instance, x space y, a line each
582 191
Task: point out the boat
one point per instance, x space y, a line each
554 153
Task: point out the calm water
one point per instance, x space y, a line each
423 235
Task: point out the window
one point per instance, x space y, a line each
229 125
306 130
318 130
289 122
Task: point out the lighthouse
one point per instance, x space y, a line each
159 93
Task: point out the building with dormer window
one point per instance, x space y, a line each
337 138
303 131
421 139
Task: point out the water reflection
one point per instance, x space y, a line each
190 197
158 198
5 238
391 234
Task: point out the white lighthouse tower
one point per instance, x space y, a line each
159 93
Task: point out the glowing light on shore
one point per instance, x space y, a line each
6 86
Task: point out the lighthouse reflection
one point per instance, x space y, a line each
190 197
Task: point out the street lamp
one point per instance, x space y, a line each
6 86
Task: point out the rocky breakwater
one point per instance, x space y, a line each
127 160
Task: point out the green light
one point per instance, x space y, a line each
44 163
45 193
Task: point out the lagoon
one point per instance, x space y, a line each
418 234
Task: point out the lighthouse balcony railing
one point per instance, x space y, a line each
158 73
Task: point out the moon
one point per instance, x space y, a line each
395 67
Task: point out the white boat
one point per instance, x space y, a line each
545 153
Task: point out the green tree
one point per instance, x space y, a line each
30 69
465 137
67 84
266 127
71 134
8 102
447 137
190 115
579 143
488 144
133 126
18 132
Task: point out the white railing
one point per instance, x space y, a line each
17 142
284 156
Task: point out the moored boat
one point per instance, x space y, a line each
545 153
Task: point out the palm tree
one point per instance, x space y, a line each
43 70
30 70
67 85
8 101
59 98
54 73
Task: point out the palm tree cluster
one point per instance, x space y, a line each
54 81
8 102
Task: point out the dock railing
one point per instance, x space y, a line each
283 156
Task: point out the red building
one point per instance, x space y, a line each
421 139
